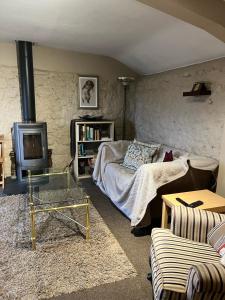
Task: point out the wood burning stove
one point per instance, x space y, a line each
29 137
31 147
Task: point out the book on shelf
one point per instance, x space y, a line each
97 134
0 150
93 133
81 150
83 133
87 133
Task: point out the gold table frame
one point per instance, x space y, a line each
34 211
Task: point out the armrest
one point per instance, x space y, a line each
206 277
108 152
193 223
114 151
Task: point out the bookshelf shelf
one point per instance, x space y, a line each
88 136
85 156
2 176
96 141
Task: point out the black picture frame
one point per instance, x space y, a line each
88 91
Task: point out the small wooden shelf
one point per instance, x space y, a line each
199 89
185 94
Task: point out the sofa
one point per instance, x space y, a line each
183 264
137 194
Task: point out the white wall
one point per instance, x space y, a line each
56 90
195 124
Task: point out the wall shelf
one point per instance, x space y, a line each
199 89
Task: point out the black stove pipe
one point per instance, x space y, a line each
26 80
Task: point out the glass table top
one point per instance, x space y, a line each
53 188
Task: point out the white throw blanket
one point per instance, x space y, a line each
132 191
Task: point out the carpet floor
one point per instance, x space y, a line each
136 249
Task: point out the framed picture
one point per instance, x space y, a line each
88 92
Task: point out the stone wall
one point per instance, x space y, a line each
57 104
9 107
192 123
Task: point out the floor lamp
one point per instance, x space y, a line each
125 82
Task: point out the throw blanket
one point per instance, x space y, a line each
141 187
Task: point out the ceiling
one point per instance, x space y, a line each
206 14
145 39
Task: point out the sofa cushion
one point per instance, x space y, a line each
173 258
216 238
138 154
151 144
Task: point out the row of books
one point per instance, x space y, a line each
88 133
0 150
83 151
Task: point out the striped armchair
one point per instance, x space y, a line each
184 265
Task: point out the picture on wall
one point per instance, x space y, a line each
88 91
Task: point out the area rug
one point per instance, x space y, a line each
64 261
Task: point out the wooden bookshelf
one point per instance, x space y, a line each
89 135
2 175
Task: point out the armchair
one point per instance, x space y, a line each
184 265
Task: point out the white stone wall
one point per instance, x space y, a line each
9 107
56 103
192 123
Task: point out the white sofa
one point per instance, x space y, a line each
138 194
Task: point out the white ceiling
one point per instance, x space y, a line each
143 38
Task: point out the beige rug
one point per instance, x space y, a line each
63 262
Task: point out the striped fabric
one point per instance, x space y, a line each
157 281
193 224
171 259
206 281
216 237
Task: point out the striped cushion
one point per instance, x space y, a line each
193 223
173 258
216 238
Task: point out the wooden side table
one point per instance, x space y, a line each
212 202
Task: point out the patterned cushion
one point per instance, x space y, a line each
151 144
216 238
171 261
138 154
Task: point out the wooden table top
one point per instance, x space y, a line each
212 201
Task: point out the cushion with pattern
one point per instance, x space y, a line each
151 144
137 155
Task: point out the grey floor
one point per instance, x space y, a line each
136 248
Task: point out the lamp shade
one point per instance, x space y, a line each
125 80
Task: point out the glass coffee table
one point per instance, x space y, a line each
53 191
